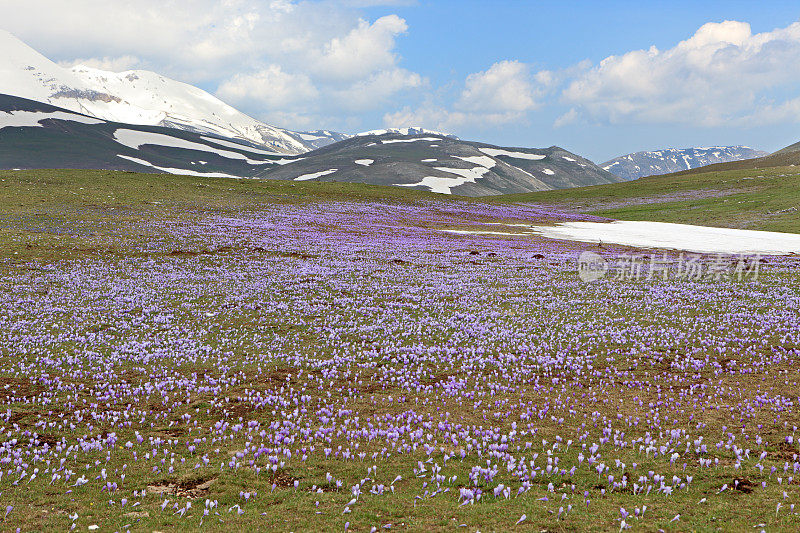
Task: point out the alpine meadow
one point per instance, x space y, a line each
351 266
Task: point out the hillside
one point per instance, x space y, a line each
34 135
651 163
140 97
443 164
760 199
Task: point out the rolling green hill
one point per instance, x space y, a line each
749 198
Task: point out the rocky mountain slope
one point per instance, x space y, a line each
35 135
443 164
641 164
786 157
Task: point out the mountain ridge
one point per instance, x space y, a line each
439 163
668 160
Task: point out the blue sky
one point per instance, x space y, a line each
581 75
448 40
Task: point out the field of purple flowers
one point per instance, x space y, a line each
341 363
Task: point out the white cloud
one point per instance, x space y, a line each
270 87
114 64
502 94
428 116
378 88
566 119
720 75
365 49
505 87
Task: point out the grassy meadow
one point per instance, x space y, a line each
187 354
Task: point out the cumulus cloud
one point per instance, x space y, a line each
364 50
114 64
378 88
271 87
503 93
721 75
503 88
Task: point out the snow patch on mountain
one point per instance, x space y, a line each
179 171
314 175
466 175
137 139
16 119
494 152
406 132
415 139
654 162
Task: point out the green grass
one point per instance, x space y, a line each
759 199
103 218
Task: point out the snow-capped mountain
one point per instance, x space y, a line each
641 164
405 131
140 97
37 135
435 162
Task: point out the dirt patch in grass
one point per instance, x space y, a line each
785 452
282 479
18 388
194 487
743 485
195 253
295 255
171 431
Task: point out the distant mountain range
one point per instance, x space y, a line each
786 157
80 117
642 164
142 98
38 135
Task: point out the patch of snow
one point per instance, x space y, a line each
365 162
687 237
568 158
136 139
436 184
443 185
391 141
548 172
22 119
429 160
179 171
404 131
239 146
480 160
315 175
494 152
